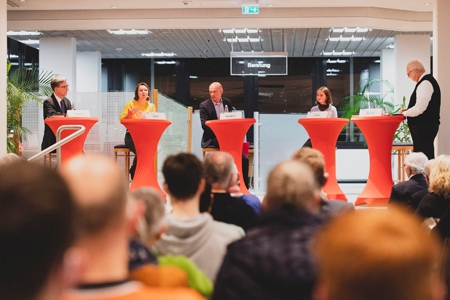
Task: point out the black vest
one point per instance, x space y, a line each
431 113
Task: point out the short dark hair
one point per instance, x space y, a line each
136 95
36 218
182 173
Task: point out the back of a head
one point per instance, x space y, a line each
100 193
182 174
218 168
440 176
9 158
377 254
36 214
291 184
416 161
428 167
154 212
314 158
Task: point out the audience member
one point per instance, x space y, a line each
106 219
418 196
377 254
191 233
221 172
250 199
437 200
9 158
402 192
314 158
36 231
274 261
150 227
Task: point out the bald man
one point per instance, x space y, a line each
423 109
105 218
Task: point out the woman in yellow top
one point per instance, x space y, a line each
136 109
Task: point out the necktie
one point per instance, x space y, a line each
63 107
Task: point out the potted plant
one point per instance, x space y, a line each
23 84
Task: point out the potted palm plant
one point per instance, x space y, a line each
23 84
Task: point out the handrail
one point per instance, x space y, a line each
80 130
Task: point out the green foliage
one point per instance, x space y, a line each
362 98
23 84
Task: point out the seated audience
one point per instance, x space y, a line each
9 158
274 261
251 200
221 172
106 219
437 200
377 254
150 228
191 233
314 158
402 192
418 196
36 231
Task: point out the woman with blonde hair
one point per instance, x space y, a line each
437 200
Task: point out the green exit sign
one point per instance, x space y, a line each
250 9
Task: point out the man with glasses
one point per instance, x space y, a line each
56 104
423 109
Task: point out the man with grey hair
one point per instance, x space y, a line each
56 104
274 261
423 108
221 172
402 192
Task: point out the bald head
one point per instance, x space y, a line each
99 191
215 91
292 184
220 169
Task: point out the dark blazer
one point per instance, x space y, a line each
208 112
402 192
51 107
232 210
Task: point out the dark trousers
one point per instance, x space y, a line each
130 145
423 138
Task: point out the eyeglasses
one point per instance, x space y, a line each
407 74
64 86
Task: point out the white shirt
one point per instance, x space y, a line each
423 97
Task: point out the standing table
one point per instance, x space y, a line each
230 135
146 134
379 133
323 133
75 146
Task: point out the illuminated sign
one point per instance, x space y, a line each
250 9
258 64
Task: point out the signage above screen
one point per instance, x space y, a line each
258 64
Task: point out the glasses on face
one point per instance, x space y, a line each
64 86
407 74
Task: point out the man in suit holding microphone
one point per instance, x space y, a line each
56 104
211 109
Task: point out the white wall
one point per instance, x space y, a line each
89 74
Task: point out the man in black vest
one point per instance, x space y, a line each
423 109
56 104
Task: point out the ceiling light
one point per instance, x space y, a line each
391 46
334 53
346 29
13 56
428 3
165 62
346 39
113 6
332 74
333 70
336 61
193 77
243 40
161 54
129 32
23 32
30 42
239 31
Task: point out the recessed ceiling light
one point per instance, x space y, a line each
23 32
129 32
161 54
269 5
427 3
113 6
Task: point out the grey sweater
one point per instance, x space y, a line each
201 239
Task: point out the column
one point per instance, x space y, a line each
387 68
3 49
88 70
441 66
409 47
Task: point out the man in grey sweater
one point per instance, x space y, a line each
191 233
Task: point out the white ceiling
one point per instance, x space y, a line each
190 28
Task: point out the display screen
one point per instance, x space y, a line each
249 64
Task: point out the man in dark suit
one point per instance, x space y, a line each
402 192
211 109
56 104
423 109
